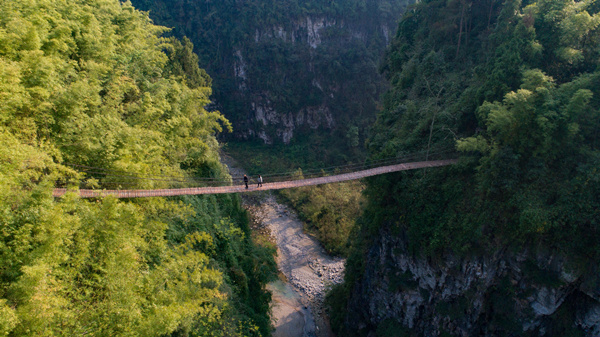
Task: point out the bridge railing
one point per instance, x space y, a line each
352 167
119 180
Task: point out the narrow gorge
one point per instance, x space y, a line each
306 271
289 72
158 95
500 245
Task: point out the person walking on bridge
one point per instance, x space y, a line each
259 181
246 181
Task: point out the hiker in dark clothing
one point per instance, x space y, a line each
259 181
246 181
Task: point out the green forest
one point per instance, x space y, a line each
514 86
92 94
285 73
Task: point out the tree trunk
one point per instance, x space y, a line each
430 134
490 14
462 16
468 25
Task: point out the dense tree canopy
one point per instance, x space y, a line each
92 95
291 57
516 90
514 87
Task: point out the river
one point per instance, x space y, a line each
306 270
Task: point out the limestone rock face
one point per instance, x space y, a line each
269 123
526 292
309 86
287 68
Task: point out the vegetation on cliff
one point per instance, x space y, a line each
515 86
329 211
291 58
92 95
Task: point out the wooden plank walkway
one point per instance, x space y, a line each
252 187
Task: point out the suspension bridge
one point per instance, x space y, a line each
289 183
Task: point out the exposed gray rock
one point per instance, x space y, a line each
308 37
461 296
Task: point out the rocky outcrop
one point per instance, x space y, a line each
299 92
307 30
270 123
288 58
532 292
286 123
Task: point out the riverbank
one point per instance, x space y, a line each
302 261
306 270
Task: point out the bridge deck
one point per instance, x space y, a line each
252 188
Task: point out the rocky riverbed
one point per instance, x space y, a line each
304 264
307 271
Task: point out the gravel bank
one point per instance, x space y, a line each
301 259
308 271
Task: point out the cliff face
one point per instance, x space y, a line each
533 292
304 75
281 68
268 119
505 242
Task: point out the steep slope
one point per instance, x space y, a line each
506 242
289 69
92 95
